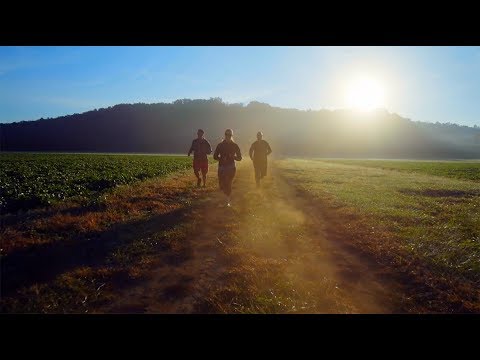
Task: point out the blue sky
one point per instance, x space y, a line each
421 83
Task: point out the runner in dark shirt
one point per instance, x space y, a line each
200 148
227 152
259 151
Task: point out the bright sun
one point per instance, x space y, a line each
365 94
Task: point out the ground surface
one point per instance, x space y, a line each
314 238
270 252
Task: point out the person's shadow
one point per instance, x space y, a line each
43 262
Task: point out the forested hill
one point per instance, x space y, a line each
170 128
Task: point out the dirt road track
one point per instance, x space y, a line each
273 224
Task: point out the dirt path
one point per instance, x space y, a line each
272 251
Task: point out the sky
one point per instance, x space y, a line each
420 83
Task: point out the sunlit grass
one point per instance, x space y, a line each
434 217
462 170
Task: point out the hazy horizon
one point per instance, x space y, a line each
244 105
427 84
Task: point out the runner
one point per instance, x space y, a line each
227 152
201 148
259 151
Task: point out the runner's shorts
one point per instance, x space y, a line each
200 165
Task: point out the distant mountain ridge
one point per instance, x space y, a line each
170 128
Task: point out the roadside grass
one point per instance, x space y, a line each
86 288
71 218
71 259
461 169
412 216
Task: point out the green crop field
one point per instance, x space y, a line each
29 180
431 209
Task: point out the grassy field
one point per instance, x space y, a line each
32 180
68 258
58 257
263 255
462 170
429 211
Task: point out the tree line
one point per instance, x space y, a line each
170 127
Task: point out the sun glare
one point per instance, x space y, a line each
365 94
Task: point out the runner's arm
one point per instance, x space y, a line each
269 149
250 153
238 154
209 150
216 153
191 149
